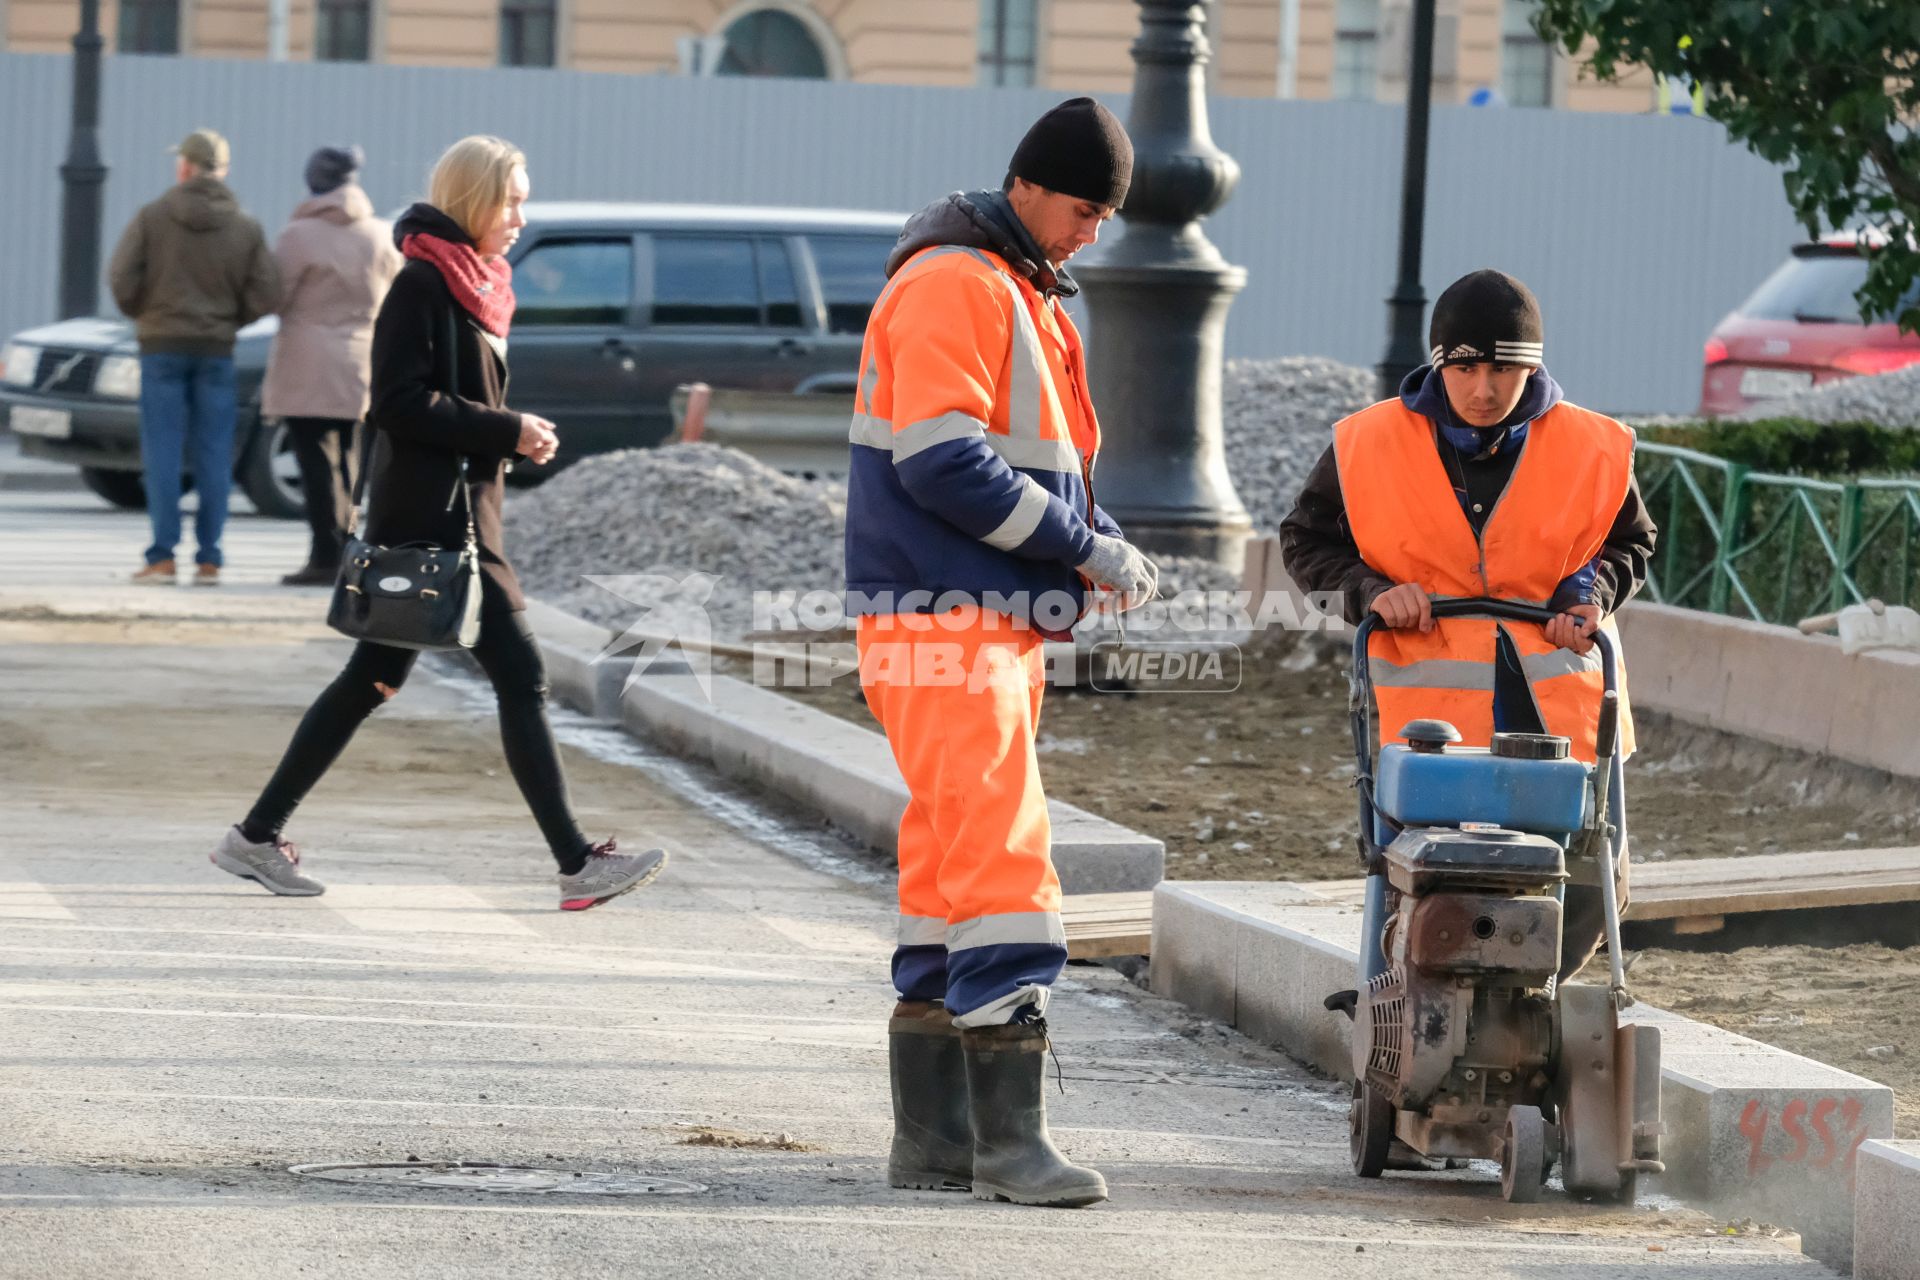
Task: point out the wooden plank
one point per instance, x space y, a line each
1695 887
1108 924
1694 890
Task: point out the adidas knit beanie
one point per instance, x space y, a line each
1486 316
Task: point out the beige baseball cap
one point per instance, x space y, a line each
205 148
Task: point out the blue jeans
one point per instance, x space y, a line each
186 422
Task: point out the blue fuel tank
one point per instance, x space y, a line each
1509 785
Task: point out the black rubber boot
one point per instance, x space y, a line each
932 1142
1013 1156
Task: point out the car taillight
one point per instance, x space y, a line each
1871 360
1716 351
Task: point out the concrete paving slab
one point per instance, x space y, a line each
1751 1129
1723 673
1886 1221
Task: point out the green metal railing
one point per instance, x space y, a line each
1776 548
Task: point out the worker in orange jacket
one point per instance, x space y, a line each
973 537
1479 479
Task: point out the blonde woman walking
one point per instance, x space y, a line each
431 407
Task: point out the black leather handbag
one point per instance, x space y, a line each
416 595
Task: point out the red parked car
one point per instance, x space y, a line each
1800 328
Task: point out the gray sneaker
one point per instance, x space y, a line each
273 864
608 874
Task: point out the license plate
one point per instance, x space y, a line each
57 423
1771 384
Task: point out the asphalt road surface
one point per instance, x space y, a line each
173 1039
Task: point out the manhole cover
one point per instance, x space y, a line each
519 1179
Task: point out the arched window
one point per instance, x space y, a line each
770 42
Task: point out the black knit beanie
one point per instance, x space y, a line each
1079 149
1488 316
331 168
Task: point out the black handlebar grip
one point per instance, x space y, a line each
1609 734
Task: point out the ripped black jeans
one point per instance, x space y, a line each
508 654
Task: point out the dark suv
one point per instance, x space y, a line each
618 305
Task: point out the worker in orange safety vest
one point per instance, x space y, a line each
972 538
1479 479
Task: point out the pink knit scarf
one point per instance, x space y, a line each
484 287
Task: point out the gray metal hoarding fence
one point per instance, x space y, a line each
1637 233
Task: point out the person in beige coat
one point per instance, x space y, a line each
336 260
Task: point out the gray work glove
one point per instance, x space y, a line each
1117 564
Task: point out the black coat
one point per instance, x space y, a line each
421 431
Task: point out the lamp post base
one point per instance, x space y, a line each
1156 344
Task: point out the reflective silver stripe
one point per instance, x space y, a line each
922 931
1033 455
1028 365
869 379
1022 520
1560 662
1012 927
1031 392
1037 455
1034 399
914 437
869 430
1434 673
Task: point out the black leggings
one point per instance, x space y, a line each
375 672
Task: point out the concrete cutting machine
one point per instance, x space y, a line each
1465 1046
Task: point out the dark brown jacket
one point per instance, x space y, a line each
421 431
191 270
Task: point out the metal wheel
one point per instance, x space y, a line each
1523 1163
1369 1130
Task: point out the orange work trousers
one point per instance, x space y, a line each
958 693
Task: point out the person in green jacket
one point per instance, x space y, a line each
190 270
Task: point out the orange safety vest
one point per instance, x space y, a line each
1563 497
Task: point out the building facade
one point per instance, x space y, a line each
1485 50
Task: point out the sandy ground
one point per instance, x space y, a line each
1256 784
1852 1007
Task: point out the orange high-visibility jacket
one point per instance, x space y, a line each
972 445
1552 519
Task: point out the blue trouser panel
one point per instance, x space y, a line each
977 976
186 423
920 972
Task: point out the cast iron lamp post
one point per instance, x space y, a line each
82 177
1407 308
1159 300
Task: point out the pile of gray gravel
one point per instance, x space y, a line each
685 527
1889 399
644 515
1279 416
688 527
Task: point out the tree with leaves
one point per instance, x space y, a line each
1825 88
